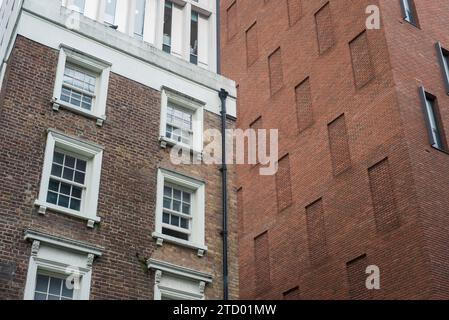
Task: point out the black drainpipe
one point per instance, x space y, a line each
223 94
218 37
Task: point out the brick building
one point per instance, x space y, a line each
90 107
363 168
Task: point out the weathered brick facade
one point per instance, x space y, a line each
132 154
367 188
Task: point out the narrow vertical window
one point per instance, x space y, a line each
443 56
166 46
139 21
109 14
436 132
194 38
409 11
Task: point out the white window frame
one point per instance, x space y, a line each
177 282
197 236
94 154
101 68
197 108
62 257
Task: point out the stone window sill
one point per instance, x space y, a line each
43 207
161 238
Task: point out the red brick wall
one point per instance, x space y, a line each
383 119
128 182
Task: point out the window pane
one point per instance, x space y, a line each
109 15
65 189
139 18
66 292
40 297
69 162
79 5
186 208
56 170
81 165
42 283
63 201
177 206
177 194
167 203
75 204
167 191
53 185
166 218
194 38
184 223
58 158
175 234
167 26
55 286
76 192
52 198
175 221
79 177
68 174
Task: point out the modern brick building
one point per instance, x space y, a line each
90 107
363 168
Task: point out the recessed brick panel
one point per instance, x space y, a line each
283 184
382 193
356 272
316 233
240 209
275 69
231 15
361 60
294 10
252 47
304 109
256 126
262 263
324 28
339 146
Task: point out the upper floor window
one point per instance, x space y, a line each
71 177
179 124
180 202
168 12
194 38
78 87
139 19
67 180
78 5
52 287
181 121
81 84
434 125
443 56
177 211
409 11
110 9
